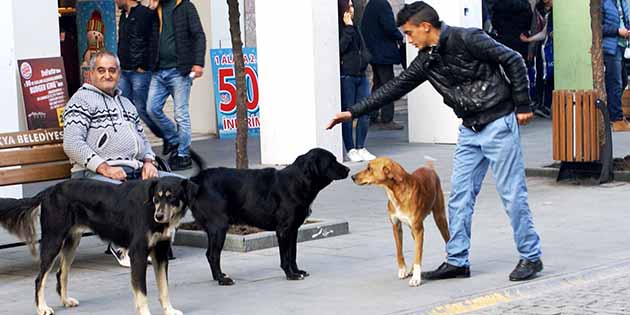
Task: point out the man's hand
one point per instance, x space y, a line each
623 32
198 70
149 170
112 172
339 117
347 18
524 118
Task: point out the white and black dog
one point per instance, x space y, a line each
138 215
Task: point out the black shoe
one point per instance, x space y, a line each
542 112
178 162
526 269
447 271
391 126
168 148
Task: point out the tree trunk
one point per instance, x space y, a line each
599 85
241 88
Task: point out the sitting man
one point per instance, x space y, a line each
103 135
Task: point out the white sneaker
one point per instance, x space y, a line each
121 256
366 155
354 156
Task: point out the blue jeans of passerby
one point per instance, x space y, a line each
497 146
135 86
353 90
612 78
165 82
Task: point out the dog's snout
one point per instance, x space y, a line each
354 177
159 216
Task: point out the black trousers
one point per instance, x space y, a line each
382 74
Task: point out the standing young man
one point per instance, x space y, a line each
181 49
467 68
137 24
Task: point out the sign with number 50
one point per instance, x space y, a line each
225 91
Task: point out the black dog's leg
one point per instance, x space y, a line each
216 239
160 267
68 252
284 244
138 255
293 253
49 248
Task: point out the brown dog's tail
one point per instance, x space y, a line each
429 162
18 216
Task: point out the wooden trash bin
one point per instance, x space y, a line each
575 126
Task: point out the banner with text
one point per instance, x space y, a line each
225 91
44 90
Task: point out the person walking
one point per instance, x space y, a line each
615 29
382 39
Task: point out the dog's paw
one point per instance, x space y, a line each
226 281
70 302
45 310
414 282
416 278
143 311
172 311
296 276
403 274
303 273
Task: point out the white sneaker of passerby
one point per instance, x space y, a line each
354 156
121 256
366 155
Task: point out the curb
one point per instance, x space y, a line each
245 243
620 176
517 292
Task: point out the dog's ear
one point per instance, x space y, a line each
392 173
190 190
151 191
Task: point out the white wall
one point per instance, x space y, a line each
28 29
430 120
299 89
202 109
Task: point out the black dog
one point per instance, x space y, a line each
137 215
270 199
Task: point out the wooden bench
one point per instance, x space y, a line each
30 157
575 126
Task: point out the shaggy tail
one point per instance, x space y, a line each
429 162
18 216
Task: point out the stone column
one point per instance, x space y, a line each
430 121
298 63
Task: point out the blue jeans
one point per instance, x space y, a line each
612 71
167 82
497 146
91 175
135 86
353 90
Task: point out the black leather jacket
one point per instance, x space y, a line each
478 77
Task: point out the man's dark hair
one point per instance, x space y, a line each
417 13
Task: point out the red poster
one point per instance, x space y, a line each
45 91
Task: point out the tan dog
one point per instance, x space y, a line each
412 197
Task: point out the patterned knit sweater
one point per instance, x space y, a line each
100 128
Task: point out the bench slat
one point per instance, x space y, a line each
32 174
40 154
579 135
